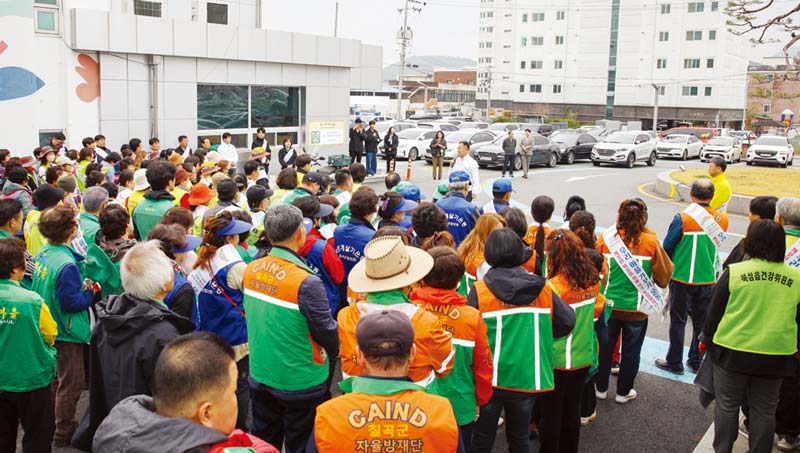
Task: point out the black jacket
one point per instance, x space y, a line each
357 140
126 341
438 149
515 286
390 144
372 138
282 158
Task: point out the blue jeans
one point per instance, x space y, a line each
633 333
691 300
518 409
372 163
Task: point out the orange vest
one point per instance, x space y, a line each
405 422
530 265
434 349
530 235
561 285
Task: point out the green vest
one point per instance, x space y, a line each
459 385
295 194
282 353
695 259
72 327
344 214
620 292
90 225
576 349
762 308
148 213
515 368
27 362
80 174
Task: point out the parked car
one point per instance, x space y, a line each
703 133
438 126
545 152
411 143
771 149
504 127
625 148
472 136
728 148
473 125
682 146
384 126
573 145
424 117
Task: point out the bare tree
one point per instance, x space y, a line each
760 16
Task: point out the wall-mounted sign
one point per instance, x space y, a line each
326 132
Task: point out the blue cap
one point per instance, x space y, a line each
308 224
411 192
234 228
324 210
405 206
459 176
502 185
192 242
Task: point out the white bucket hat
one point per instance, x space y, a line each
388 264
140 180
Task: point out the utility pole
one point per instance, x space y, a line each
336 21
655 109
404 38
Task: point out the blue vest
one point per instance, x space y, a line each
178 281
459 215
314 261
349 241
213 312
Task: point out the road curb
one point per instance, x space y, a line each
668 187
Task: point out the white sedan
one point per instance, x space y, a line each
728 148
683 146
412 143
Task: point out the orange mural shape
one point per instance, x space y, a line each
89 70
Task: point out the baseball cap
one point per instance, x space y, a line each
255 194
227 189
314 177
192 242
459 176
411 192
311 207
67 183
502 185
441 191
387 326
218 177
46 196
64 160
308 224
405 206
234 228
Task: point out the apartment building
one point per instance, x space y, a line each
594 60
145 68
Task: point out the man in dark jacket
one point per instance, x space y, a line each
193 408
461 214
357 138
509 150
228 193
130 333
372 140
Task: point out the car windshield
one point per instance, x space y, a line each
455 136
410 134
676 139
383 127
566 139
721 141
771 141
498 127
620 137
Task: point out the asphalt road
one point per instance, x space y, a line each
666 416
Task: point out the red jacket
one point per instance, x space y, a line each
239 438
333 264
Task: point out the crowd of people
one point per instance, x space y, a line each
206 305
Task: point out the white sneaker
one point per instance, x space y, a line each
624 399
788 443
586 420
600 395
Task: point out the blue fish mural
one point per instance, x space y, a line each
17 83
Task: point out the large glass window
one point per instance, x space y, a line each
275 107
221 107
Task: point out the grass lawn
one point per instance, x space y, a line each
780 182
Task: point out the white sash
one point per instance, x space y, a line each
793 255
707 223
652 298
488 208
200 277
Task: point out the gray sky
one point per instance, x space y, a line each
445 27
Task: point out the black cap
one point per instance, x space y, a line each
47 196
388 326
227 189
256 194
314 177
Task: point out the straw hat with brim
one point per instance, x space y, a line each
213 156
140 180
208 167
387 265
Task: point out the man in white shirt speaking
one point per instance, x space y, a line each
227 151
465 162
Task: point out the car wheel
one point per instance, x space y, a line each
595 163
517 163
749 163
413 154
652 160
570 159
552 160
685 155
791 161
481 165
630 161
